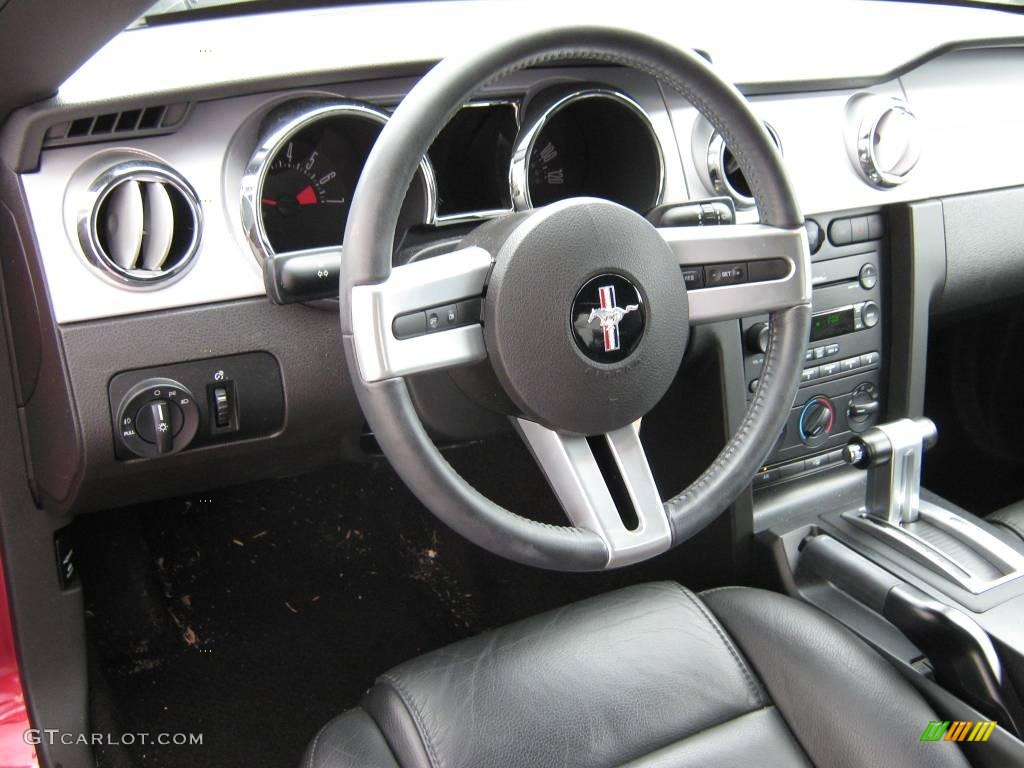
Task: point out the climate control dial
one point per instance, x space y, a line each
817 420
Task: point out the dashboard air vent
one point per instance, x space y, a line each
141 223
137 121
725 173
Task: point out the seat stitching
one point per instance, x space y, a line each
417 717
748 676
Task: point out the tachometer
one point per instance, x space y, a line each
299 184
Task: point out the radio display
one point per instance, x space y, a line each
829 324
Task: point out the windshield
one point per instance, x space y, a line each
170 11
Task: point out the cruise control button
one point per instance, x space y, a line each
412 324
725 274
693 277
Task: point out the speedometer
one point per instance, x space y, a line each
594 142
299 184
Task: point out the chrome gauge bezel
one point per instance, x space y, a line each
279 127
519 171
484 214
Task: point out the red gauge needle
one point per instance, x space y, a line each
307 196
268 201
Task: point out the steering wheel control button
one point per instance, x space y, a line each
436 319
868 276
817 419
608 318
157 417
407 326
694 277
725 274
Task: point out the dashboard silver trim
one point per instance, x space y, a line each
283 122
575 476
519 170
443 279
87 205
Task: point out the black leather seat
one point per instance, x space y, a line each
647 677
1010 522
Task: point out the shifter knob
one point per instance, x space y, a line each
873 447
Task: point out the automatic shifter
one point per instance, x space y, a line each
941 540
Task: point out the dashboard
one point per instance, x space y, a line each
191 231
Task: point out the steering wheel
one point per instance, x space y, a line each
585 317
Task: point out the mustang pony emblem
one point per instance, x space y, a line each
610 316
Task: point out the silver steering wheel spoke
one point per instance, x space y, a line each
575 475
386 349
749 269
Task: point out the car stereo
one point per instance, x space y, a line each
840 389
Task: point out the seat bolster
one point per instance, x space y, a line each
845 704
351 740
1009 521
596 683
756 738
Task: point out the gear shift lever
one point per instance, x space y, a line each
891 453
941 540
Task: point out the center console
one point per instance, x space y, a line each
838 510
840 392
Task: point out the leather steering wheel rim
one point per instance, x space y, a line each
386 402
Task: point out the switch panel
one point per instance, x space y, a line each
160 411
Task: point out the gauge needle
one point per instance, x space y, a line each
268 201
307 196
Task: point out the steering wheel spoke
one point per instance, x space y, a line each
584 488
419 319
748 269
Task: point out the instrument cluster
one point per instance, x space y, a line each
493 157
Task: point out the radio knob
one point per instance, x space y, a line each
757 338
869 314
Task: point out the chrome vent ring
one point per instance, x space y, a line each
140 223
724 172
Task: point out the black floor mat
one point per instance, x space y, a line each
254 615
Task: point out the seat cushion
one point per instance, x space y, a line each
646 676
1009 524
